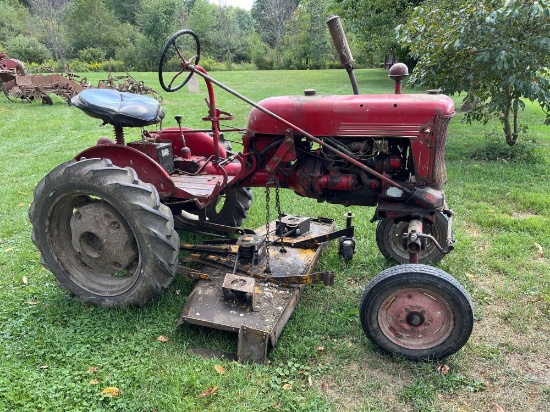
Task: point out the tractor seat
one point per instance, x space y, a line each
120 109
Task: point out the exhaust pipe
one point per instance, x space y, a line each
342 47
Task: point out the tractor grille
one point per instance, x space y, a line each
439 176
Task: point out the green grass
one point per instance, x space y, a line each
50 340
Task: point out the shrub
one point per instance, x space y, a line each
27 49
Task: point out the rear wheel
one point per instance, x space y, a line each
104 234
416 311
47 100
389 238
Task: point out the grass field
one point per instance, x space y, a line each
58 354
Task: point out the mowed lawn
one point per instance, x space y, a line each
58 354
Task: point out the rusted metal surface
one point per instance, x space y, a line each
40 86
127 83
18 83
261 324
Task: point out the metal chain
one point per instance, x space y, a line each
278 200
267 267
280 215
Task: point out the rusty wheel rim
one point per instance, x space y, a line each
416 318
81 246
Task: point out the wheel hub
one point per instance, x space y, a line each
416 318
102 238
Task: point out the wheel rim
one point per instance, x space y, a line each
400 229
93 244
416 319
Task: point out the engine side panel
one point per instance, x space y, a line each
403 115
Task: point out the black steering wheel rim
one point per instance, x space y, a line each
171 43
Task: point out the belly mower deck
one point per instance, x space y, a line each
242 297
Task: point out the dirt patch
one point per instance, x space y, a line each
523 215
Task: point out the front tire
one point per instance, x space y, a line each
389 238
104 234
229 209
416 311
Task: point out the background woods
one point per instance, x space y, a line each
93 35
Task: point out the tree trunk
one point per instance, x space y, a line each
506 120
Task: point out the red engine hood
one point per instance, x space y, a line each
352 116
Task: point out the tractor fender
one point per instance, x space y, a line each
146 168
200 143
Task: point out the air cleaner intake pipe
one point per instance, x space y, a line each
342 47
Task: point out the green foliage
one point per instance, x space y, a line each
372 23
496 51
272 17
307 43
13 19
91 54
90 23
27 49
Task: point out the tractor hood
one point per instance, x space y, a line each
405 115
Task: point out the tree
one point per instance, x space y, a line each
157 22
202 20
91 23
27 49
13 20
307 41
48 16
496 51
372 23
271 18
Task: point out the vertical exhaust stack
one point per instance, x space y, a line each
342 47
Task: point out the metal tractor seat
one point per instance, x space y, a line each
120 109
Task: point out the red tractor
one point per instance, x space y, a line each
105 222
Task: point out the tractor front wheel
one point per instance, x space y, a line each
389 238
104 234
230 208
416 311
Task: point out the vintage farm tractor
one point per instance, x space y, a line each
106 223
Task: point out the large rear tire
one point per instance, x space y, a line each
416 311
104 234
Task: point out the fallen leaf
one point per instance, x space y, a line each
219 369
287 386
111 392
498 408
25 280
470 276
324 386
309 381
43 367
320 348
21 204
32 302
162 338
209 392
257 290
540 251
94 381
9 249
443 369
91 370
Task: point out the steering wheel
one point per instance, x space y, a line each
176 47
